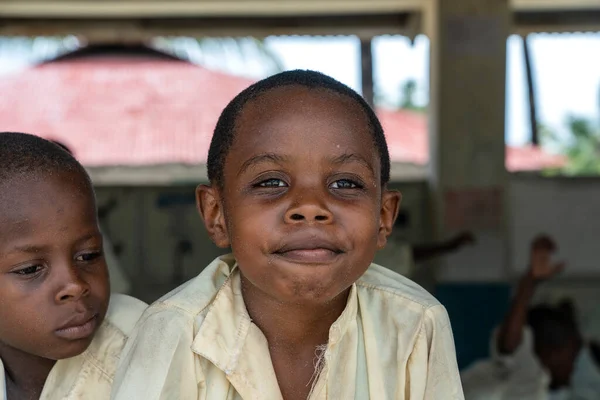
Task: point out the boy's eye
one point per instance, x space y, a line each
345 184
87 257
29 270
272 183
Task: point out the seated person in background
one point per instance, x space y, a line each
426 251
62 333
402 257
539 352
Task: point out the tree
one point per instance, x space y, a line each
406 100
408 90
582 147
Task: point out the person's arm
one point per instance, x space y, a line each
427 251
540 269
511 331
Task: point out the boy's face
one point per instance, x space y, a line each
54 286
301 206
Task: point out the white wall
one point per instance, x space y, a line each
567 209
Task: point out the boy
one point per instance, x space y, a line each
59 337
298 167
538 353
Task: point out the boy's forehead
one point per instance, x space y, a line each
291 108
26 193
303 126
31 206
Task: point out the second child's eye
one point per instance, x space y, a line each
88 257
269 183
29 270
345 184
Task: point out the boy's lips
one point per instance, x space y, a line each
309 249
79 327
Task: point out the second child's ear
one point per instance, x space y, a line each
390 206
210 209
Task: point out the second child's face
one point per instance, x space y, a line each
54 288
303 208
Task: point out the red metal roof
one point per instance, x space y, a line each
138 111
408 141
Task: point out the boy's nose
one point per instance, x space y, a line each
308 213
72 286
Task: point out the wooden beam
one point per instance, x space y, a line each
203 8
363 25
554 5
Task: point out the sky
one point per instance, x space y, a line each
566 71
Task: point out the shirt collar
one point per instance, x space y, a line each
226 336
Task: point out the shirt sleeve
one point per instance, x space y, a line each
157 362
520 365
433 370
518 375
124 312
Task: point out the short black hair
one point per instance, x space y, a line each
553 326
22 154
224 132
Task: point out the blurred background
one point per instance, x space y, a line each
491 110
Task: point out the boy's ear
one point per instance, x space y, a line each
211 211
390 206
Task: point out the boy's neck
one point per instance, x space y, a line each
292 325
24 373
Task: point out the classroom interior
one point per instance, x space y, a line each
461 181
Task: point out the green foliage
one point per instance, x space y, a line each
581 147
406 99
583 150
408 91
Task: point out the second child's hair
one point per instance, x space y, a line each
22 154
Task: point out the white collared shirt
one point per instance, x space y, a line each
392 341
520 375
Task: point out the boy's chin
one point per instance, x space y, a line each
313 296
70 350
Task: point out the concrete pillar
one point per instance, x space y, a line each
468 179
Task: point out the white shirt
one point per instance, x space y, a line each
392 341
521 376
